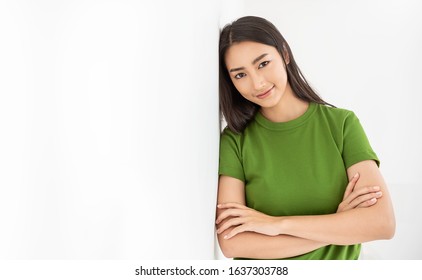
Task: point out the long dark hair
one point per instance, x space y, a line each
237 110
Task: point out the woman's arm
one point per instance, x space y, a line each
251 244
349 227
357 225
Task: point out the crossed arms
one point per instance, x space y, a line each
365 214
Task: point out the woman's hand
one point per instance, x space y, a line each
362 197
243 218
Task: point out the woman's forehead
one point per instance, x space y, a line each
245 52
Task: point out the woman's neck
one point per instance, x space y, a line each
289 108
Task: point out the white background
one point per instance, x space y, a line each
109 117
109 129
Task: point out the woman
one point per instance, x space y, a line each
298 177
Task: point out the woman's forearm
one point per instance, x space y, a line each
351 227
258 246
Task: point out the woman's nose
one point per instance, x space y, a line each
258 82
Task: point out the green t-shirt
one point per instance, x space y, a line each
298 167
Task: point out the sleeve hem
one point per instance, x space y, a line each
241 177
361 157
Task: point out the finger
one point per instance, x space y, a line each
366 200
366 190
368 203
343 206
351 185
229 213
361 191
235 231
230 223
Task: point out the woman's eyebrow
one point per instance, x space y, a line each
253 62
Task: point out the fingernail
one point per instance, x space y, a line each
373 199
376 188
357 174
218 205
225 237
378 194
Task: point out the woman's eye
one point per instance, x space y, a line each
239 76
263 64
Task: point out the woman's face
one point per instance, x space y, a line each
258 72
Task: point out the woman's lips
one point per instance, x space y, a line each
265 94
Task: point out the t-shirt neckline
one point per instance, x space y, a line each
260 119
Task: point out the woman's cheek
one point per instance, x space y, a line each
243 87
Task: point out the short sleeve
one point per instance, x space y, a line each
230 163
356 146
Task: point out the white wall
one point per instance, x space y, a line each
366 56
108 129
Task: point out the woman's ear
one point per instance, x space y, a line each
286 55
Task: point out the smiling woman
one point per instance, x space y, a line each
298 177
252 45
264 81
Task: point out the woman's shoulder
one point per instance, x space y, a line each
336 113
227 133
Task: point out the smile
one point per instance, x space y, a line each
265 93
